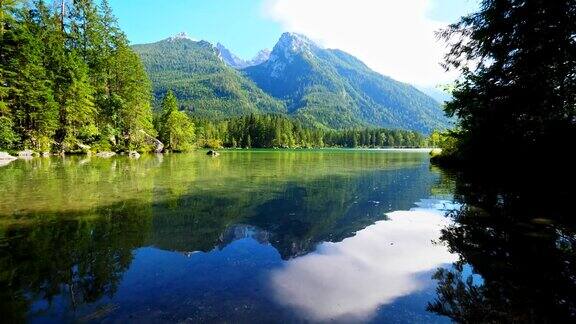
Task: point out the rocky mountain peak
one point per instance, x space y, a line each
261 57
180 36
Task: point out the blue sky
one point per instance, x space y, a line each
239 24
246 26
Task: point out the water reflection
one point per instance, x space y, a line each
281 236
518 234
349 280
71 263
183 237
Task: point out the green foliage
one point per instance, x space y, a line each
131 90
175 127
8 138
78 110
278 131
448 142
516 94
71 82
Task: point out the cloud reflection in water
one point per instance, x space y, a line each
349 280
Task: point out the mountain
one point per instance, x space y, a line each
229 57
261 57
234 61
322 87
436 93
204 84
330 88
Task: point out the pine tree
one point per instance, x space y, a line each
78 111
175 127
33 106
8 137
518 85
70 83
130 98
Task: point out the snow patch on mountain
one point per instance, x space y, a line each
180 36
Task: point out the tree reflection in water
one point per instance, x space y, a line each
81 260
520 238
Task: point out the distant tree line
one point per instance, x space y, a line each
69 80
278 131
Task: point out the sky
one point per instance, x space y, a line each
393 37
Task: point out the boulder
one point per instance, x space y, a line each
105 154
134 155
6 157
26 154
83 147
151 140
212 153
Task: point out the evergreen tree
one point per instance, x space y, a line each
78 111
32 101
8 137
130 98
175 127
518 86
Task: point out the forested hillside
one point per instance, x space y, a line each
278 131
320 87
69 80
331 88
202 82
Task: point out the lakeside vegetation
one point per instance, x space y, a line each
69 80
179 133
516 95
277 131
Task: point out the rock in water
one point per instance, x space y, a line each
212 153
5 156
26 154
105 154
134 155
158 146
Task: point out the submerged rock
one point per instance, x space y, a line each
105 154
26 154
212 153
134 155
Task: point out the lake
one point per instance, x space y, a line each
275 236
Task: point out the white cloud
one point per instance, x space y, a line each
349 280
393 37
